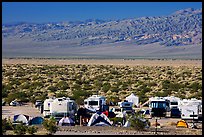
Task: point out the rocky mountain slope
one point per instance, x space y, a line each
183 27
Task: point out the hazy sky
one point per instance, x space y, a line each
40 12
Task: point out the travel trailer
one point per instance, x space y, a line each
174 101
95 103
123 107
61 107
191 109
174 106
159 106
126 106
46 107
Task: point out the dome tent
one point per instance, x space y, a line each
66 121
99 119
21 118
132 98
36 121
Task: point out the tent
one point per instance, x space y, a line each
182 123
21 118
36 121
99 119
132 98
66 121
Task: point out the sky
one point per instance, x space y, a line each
41 12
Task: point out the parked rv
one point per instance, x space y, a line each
159 106
174 101
191 109
95 103
46 106
126 106
61 107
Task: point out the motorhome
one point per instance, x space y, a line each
159 106
95 103
191 109
61 107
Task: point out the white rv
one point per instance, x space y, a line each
191 109
159 106
95 103
46 106
126 106
61 107
174 101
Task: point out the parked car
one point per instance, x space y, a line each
14 103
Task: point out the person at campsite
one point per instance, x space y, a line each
124 117
105 112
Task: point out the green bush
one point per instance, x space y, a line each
50 125
32 129
116 120
20 129
136 121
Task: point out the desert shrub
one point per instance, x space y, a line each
50 125
6 125
116 120
52 88
80 95
20 129
137 122
32 129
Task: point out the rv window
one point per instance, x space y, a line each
157 104
93 102
174 103
127 105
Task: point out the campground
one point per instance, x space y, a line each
167 125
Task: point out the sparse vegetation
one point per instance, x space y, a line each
20 129
50 125
31 82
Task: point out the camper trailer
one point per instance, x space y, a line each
46 106
191 109
126 106
174 101
61 107
159 106
95 103
174 106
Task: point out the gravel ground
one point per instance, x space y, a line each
26 109
77 130
165 123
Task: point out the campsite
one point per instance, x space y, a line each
116 102
167 126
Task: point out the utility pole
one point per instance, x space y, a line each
156 127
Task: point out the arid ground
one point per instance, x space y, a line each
136 62
167 125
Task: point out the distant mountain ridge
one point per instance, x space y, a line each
183 27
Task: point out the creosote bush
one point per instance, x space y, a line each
50 125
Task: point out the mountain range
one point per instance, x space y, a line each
178 35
